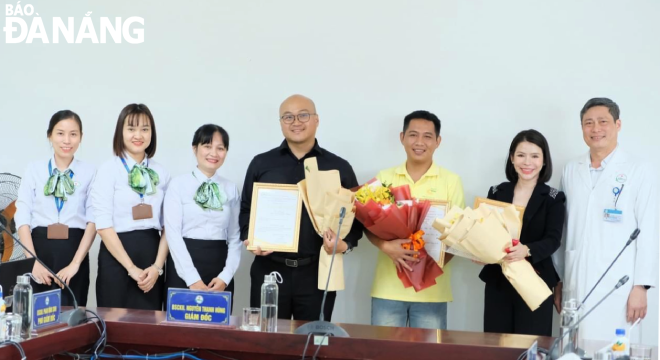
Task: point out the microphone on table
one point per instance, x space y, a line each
322 327
632 238
554 351
72 317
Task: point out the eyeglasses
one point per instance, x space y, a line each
289 119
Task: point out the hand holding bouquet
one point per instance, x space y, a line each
391 213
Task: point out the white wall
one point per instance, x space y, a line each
487 69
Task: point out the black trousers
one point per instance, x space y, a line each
506 312
299 296
58 254
114 288
209 258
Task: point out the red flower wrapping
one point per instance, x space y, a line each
402 221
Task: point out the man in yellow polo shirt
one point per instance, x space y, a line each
391 303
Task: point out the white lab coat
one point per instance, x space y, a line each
591 243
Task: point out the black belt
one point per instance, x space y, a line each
294 262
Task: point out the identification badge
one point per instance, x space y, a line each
612 215
57 232
142 211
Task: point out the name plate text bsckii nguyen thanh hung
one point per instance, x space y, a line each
201 307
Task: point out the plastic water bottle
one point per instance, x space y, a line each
621 346
269 293
569 317
23 304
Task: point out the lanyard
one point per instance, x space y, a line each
129 171
59 204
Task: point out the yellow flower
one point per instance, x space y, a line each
380 194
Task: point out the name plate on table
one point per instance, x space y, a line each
201 307
46 310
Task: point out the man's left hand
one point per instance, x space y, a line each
329 237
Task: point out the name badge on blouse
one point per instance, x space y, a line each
57 232
142 211
612 215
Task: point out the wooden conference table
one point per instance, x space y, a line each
147 332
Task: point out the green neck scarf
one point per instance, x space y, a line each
210 196
60 184
143 180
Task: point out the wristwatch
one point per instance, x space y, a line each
349 248
160 270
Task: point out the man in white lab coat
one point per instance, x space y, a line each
609 194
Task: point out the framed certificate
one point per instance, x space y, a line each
433 245
275 217
499 206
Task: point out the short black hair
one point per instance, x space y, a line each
132 114
537 139
608 103
204 135
424 115
61 116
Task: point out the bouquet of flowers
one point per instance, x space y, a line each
484 234
391 213
323 197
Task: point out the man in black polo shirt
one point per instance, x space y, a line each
299 295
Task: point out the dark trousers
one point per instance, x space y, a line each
299 296
114 288
58 254
209 258
506 312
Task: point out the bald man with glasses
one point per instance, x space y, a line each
299 296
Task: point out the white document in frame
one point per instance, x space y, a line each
276 216
431 236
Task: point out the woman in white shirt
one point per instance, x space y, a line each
201 216
127 197
53 212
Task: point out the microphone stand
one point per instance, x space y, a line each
554 352
633 236
72 317
322 327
